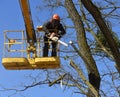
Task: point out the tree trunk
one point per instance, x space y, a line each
94 77
94 11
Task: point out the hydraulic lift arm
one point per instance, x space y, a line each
30 32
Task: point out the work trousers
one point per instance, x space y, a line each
47 46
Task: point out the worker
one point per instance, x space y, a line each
53 31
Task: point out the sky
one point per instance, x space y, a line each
11 19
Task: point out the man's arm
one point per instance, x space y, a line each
61 31
43 28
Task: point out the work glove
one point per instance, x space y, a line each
55 39
52 35
59 34
39 28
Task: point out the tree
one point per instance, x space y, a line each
105 30
94 77
87 77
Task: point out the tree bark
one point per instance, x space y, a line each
94 11
94 77
84 78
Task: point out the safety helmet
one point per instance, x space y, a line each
56 17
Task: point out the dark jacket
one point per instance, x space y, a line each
55 27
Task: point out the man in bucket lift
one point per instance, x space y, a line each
53 31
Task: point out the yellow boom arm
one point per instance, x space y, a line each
31 37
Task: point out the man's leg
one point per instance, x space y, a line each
54 49
46 47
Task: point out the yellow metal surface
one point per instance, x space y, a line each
25 7
15 63
49 62
37 63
